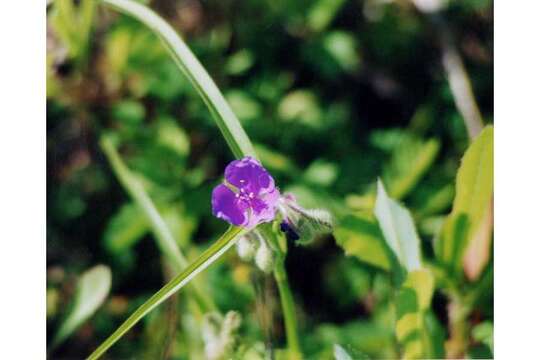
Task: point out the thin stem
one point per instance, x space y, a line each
288 308
161 231
226 120
211 254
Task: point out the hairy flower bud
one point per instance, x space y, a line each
264 258
246 247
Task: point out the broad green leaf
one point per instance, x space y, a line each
172 137
412 306
411 159
209 256
322 12
340 353
125 228
342 47
225 119
321 173
92 289
276 161
474 191
360 236
483 333
398 228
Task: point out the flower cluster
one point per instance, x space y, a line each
248 197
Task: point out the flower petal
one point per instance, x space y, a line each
263 208
248 174
226 206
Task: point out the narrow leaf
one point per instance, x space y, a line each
92 289
226 120
398 229
340 353
208 257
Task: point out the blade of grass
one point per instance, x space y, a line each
226 120
219 247
160 230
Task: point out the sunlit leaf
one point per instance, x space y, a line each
412 305
340 353
398 229
92 289
474 191
411 159
360 236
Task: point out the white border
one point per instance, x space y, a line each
22 188
517 179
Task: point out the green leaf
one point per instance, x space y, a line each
322 13
474 191
398 229
125 228
208 257
411 159
321 173
412 306
172 137
360 236
340 353
227 122
483 333
92 289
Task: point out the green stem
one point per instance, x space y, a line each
203 261
161 231
289 312
226 120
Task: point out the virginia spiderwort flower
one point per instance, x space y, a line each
248 196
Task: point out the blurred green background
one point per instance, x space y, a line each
333 94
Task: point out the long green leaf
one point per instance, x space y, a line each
398 228
162 233
474 191
209 256
92 289
226 120
137 192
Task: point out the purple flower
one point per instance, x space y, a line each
248 195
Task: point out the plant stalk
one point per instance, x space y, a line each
288 309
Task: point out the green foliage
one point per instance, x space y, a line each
333 95
398 229
413 302
474 191
74 25
92 289
360 236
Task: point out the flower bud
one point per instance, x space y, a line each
264 258
246 247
